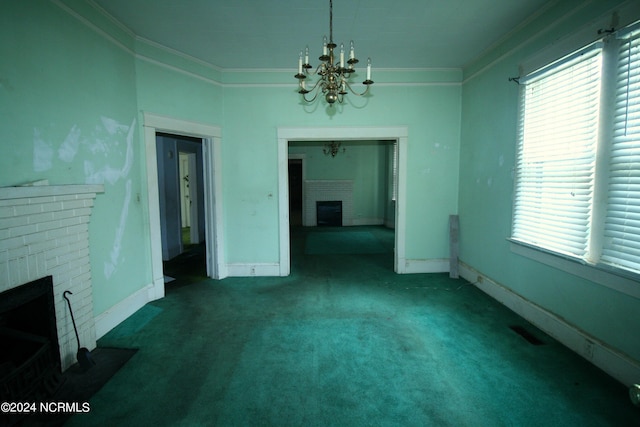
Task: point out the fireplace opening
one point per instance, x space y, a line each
329 213
29 355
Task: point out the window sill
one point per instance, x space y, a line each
592 273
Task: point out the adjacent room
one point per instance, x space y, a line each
320 212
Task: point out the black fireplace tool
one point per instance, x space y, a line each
84 355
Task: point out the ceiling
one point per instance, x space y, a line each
269 34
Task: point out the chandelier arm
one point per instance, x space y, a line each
314 87
316 72
348 86
304 96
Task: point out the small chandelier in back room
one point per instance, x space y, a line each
334 75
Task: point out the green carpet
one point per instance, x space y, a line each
344 341
343 242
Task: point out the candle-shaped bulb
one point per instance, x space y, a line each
300 63
324 45
352 51
306 55
368 68
342 55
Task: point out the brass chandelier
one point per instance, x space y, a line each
334 76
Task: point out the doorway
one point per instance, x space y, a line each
396 135
181 195
212 220
295 190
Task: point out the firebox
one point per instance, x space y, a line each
329 213
29 355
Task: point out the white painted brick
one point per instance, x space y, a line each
23 230
68 259
7 211
42 246
328 190
15 272
7 202
32 262
82 251
39 200
49 225
4 272
51 207
82 212
91 196
70 222
41 264
49 235
65 197
67 240
67 213
29 239
57 252
40 217
73 204
51 265
27 209
12 242
75 229
83 279
56 233
19 252
14 221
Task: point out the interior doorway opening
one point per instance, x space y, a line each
296 178
210 138
352 193
181 196
394 135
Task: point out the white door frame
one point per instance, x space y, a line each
211 159
397 134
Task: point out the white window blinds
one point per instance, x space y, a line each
621 243
556 153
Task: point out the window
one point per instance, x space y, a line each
578 168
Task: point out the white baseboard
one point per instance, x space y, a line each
614 363
437 265
115 315
248 270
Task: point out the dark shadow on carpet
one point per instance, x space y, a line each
79 385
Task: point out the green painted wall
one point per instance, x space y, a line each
252 116
366 163
73 87
487 157
69 115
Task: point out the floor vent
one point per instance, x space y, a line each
532 339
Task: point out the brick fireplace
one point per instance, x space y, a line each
44 231
327 190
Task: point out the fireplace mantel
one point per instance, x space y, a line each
44 231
